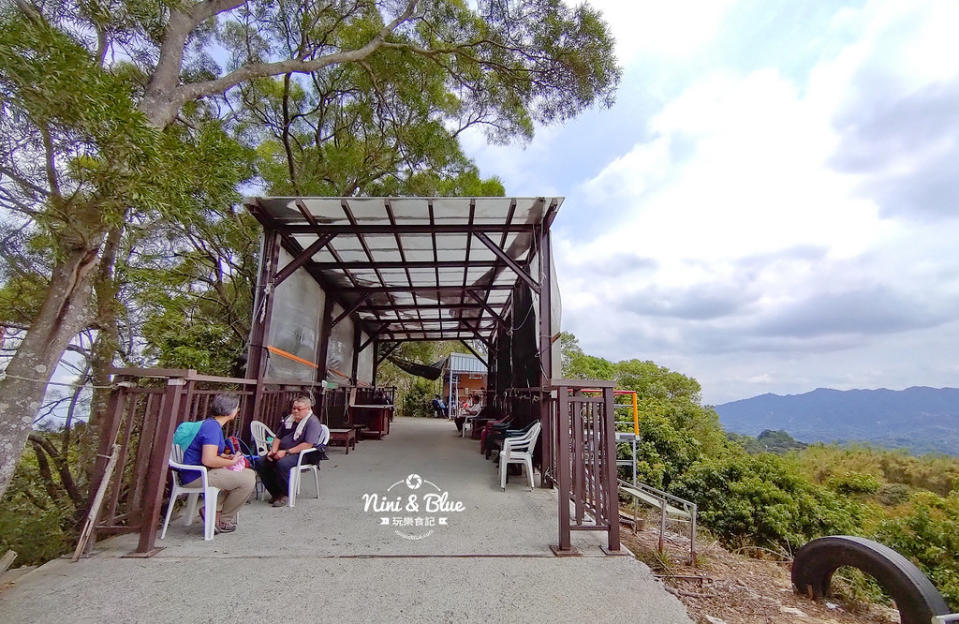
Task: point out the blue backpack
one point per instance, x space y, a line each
185 432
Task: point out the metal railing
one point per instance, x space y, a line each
144 409
669 505
582 456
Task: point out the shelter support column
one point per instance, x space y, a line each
376 362
357 334
545 352
326 327
262 316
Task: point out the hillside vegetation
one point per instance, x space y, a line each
781 501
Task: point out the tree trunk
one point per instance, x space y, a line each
62 315
104 349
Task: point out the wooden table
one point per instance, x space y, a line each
377 417
346 436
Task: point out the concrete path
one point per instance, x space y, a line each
328 559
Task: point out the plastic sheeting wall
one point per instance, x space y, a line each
364 364
339 356
295 327
556 313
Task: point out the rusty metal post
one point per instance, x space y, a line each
545 342
326 328
357 334
375 345
157 472
610 485
262 317
562 433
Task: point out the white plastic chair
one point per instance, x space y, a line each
300 467
209 495
260 433
519 451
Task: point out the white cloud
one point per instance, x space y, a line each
735 192
680 28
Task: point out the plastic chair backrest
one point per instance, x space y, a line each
527 441
260 431
324 435
176 457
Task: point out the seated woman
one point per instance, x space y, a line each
208 449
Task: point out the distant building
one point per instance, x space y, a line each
463 374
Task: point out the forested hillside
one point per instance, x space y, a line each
780 501
920 419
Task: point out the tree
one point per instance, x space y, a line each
93 147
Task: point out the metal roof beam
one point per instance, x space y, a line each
421 290
473 351
502 255
487 308
422 306
437 228
405 264
302 258
348 311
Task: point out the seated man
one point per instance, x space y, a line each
473 409
300 431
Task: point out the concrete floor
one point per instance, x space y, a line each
327 558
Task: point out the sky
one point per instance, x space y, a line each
772 204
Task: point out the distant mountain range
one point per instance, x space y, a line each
920 419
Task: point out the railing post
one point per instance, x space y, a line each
578 454
157 472
108 434
562 469
609 455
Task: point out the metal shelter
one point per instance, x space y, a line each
342 281
343 278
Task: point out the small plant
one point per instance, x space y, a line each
857 589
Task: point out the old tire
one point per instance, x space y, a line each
916 597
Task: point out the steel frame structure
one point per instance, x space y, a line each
369 259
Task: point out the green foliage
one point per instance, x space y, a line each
38 519
579 365
37 536
928 534
893 494
416 400
761 500
937 474
853 483
778 442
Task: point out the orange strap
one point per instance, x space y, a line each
289 356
